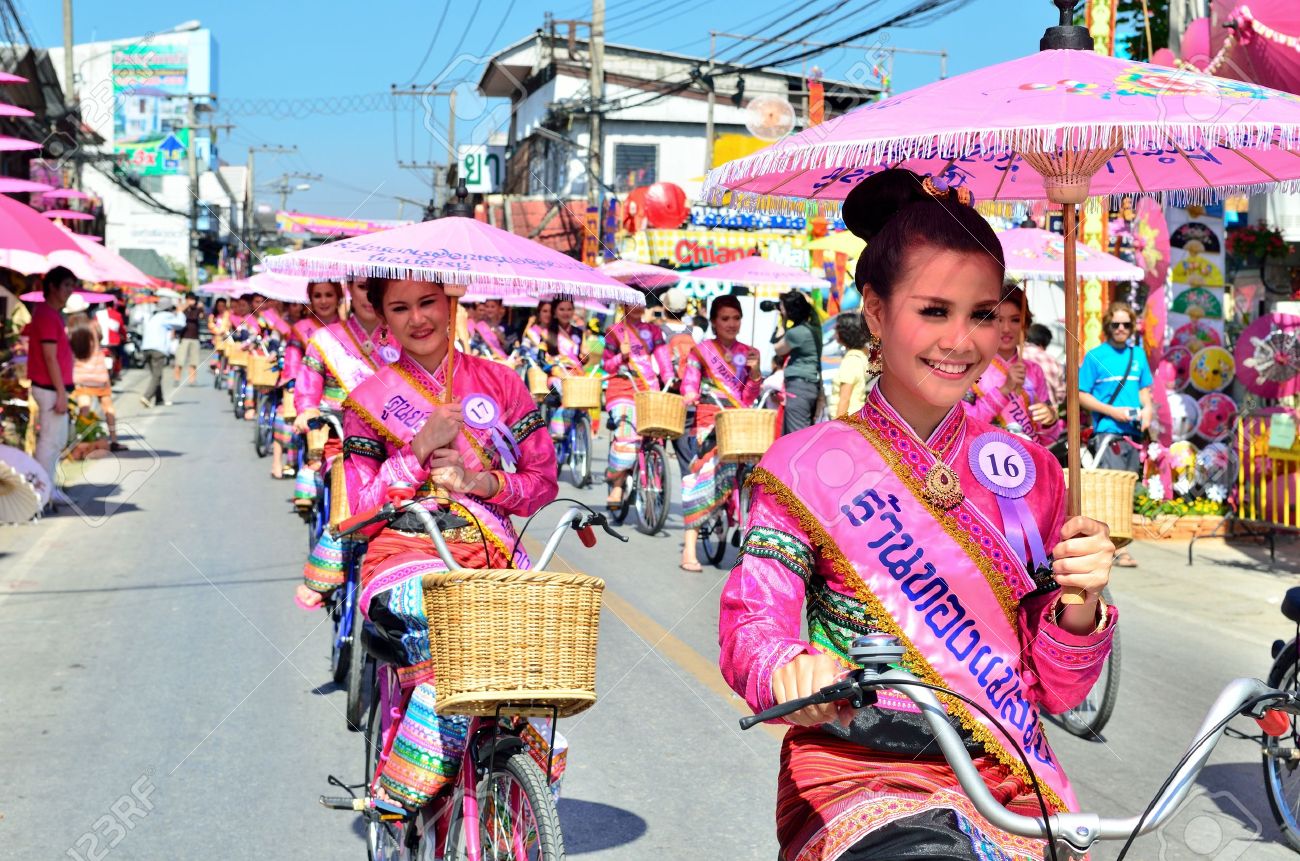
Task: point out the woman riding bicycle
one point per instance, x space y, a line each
636 358
718 373
340 355
535 332
913 519
323 298
565 355
479 452
1013 393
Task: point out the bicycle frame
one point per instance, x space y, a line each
1073 833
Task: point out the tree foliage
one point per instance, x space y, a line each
1130 27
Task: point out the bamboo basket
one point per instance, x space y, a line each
580 393
538 383
521 641
338 494
1108 497
237 356
286 405
745 434
660 414
316 440
262 372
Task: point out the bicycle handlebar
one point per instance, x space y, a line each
1074 833
318 422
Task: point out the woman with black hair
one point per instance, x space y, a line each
566 354
913 519
800 345
850 391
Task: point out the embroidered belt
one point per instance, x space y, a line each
460 535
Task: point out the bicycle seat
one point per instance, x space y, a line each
1291 604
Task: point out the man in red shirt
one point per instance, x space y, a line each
49 368
113 325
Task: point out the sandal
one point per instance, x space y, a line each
307 605
614 503
1123 560
686 566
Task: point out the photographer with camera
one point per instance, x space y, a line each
798 341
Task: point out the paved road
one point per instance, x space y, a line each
162 694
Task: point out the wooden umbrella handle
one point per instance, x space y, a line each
1074 436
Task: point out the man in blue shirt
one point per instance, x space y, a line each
1115 380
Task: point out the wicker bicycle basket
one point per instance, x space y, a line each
537 383
289 410
339 511
1108 496
520 641
236 356
660 414
745 434
580 393
262 372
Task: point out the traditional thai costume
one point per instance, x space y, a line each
338 358
711 371
502 427
294 349
567 356
487 341
862 527
989 403
647 366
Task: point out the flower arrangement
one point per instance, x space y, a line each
1151 506
1256 243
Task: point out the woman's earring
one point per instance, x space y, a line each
875 357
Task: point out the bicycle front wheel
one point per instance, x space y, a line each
517 816
652 494
580 450
1281 774
264 431
1089 718
713 538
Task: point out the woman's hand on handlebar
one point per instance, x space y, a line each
803 676
439 430
300 420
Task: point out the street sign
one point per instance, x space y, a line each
171 148
483 168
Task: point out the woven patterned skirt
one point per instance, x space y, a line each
304 486
623 444
324 569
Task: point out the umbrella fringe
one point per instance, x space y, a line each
327 270
851 162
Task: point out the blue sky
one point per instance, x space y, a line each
329 49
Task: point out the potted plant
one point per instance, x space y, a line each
1254 245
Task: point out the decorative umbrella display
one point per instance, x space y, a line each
65 194
19 501
31 471
68 215
1034 253
758 272
1198 297
1061 124
644 275
11 78
1151 239
8 110
1268 356
8 144
30 244
14 185
90 296
457 251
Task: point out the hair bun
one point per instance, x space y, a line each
878 198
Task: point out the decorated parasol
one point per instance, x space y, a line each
1035 253
19 501
456 251
1062 124
29 244
644 275
67 215
91 297
758 271
14 185
109 266
8 144
283 288
1268 356
31 471
65 194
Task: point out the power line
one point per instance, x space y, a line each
455 52
500 24
437 31
798 25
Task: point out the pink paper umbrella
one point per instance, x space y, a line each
30 244
110 267
1268 356
1035 253
8 110
11 78
65 194
68 215
8 144
14 185
273 285
758 272
456 251
90 296
643 275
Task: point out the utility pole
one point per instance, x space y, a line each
249 221
284 189
431 92
192 164
69 88
713 98
453 162
596 46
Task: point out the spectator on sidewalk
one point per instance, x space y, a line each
112 327
49 368
852 376
798 342
158 331
90 375
187 351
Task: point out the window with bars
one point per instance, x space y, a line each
634 165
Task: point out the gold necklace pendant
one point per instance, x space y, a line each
943 486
